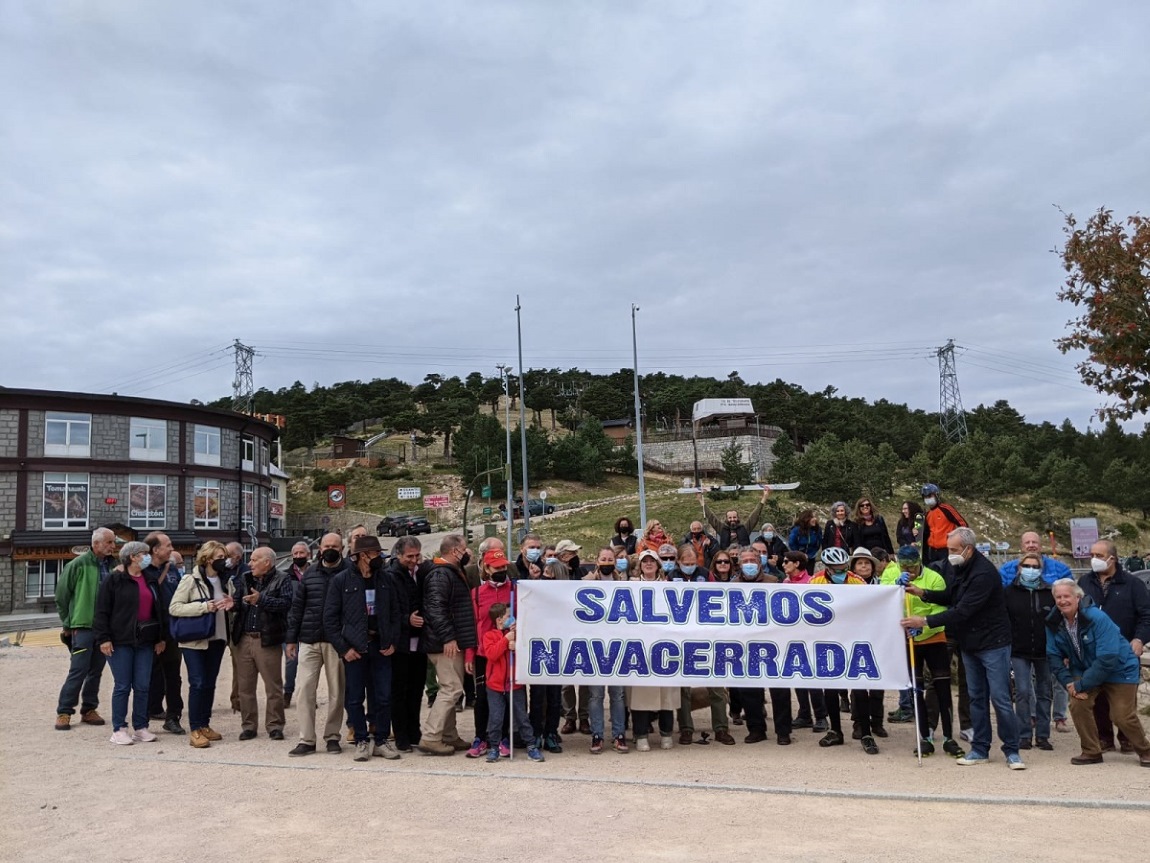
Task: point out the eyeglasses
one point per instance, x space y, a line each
864 506
672 559
722 563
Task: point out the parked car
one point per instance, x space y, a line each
402 524
535 506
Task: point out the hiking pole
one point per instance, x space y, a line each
913 681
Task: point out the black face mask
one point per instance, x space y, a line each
220 566
499 576
301 562
331 556
376 564
466 559
624 530
607 569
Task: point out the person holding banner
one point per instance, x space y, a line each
721 567
651 703
547 699
648 567
605 570
494 588
503 694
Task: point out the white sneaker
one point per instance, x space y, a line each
143 735
642 744
967 734
665 742
362 752
123 737
386 750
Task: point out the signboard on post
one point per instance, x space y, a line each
1083 534
410 493
336 496
436 501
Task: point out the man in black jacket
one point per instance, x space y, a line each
361 620
448 630
309 646
263 597
408 572
1126 601
166 682
977 617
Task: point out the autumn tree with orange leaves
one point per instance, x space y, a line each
1108 267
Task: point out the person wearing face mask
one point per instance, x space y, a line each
976 616
1031 544
546 700
702 542
448 631
235 572
687 566
408 571
668 560
625 535
166 684
623 562
300 558
731 528
309 645
941 518
776 548
496 587
1125 600
576 700
204 591
529 563
1028 603
604 568
652 703
769 563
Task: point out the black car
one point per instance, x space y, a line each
403 525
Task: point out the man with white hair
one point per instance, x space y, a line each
76 604
263 596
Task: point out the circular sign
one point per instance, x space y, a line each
543 495
335 495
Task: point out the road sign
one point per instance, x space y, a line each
411 493
486 492
1083 534
336 496
543 495
983 548
436 501
487 510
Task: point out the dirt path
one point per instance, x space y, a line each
75 796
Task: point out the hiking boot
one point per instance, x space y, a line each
596 745
686 736
385 750
665 741
333 747
950 747
123 737
724 736
897 717
585 726
755 737
435 747
63 722
91 717
620 745
568 727
831 738
478 748
869 746
534 754
1044 744
927 748
210 734
351 735
362 751
172 726
143 735
551 744
198 740
302 749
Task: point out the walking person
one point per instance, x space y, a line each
129 628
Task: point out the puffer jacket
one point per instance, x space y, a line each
1105 657
447 612
345 617
408 598
305 619
1028 610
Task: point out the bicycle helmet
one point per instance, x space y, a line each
835 556
929 489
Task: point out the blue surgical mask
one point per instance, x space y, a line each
750 570
764 560
533 554
180 570
668 566
688 568
1030 577
837 577
145 561
509 622
547 561
769 535
621 564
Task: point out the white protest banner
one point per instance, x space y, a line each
710 634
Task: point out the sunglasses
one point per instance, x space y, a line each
668 558
722 562
864 506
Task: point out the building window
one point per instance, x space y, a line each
249 453
265 457
149 439
40 582
263 509
207 445
275 492
65 500
249 500
67 434
147 498
205 502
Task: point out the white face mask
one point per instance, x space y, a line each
956 559
1099 565
930 501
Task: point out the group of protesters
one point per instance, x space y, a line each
386 631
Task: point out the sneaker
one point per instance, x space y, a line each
198 740
820 726
950 747
973 759
430 747
492 756
832 738
210 734
504 748
801 721
91 717
642 744
143 735
172 726
302 749
898 717
1044 744
534 754
665 741
1061 726
967 734
333 747
1014 761
1025 743
620 745
596 745
478 748
926 747
869 746
551 744
63 722
362 751
123 737
385 750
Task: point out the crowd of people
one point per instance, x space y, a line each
1027 641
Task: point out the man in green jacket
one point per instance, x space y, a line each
76 603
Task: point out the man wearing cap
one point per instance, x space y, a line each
496 586
575 700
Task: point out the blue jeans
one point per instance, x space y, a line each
1061 699
84 670
618 710
369 678
203 669
906 700
988 682
289 672
497 710
1032 690
132 670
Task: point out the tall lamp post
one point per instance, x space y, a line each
638 420
522 423
504 371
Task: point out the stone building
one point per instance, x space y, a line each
72 462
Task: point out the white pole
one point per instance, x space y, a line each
504 371
638 422
522 423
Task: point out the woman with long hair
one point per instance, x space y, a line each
805 535
908 531
872 530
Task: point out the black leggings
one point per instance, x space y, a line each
936 657
642 720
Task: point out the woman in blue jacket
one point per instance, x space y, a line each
1089 656
805 536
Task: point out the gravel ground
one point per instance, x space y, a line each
75 796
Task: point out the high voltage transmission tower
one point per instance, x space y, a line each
243 390
951 416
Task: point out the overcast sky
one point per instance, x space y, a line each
820 192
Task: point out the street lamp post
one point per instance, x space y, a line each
504 371
638 420
522 423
